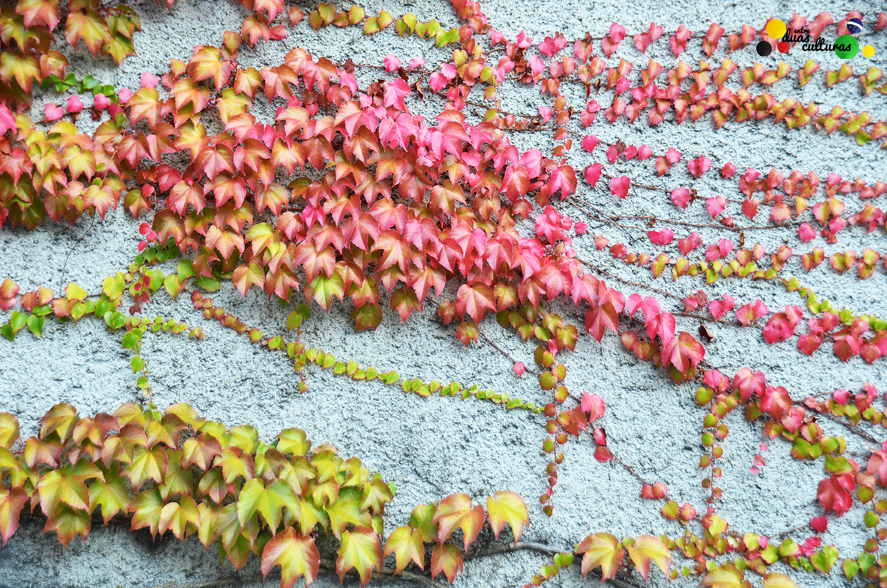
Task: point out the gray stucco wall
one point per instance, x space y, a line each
432 447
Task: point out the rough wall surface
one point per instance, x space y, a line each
432 447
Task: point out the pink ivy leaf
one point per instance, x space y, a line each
663 237
617 32
841 397
391 62
679 40
593 173
125 94
395 92
519 369
600 436
715 380
644 152
699 166
437 81
101 101
819 524
716 205
611 154
728 170
536 66
589 142
806 232
750 207
681 197
688 244
619 186
749 312
546 113
718 308
662 324
149 80
594 404
834 493
580 228
53 112
417 62
74 104
683 352
548 47
672 155
609 46
749 383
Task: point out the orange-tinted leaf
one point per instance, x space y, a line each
360 549
11 503
406 545
146 506
60 419
507 507
9 430
475 301
89 26
601 549
446 558
40 12
645 548
455 511
725 576
297 556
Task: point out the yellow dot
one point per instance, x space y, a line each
868 51
776 28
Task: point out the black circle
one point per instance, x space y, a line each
764 48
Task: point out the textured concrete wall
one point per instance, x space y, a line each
432 447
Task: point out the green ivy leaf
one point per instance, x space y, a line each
35 325
185 270
17 321
137 364
208 284
131 339
294 320
115 320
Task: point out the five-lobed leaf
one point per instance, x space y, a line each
646 548
507 507
406 544
455 511
601 550
360 550
296 555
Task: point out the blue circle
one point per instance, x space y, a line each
854 25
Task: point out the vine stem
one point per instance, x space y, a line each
499 349
324 564
541 548
627 467
68 256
